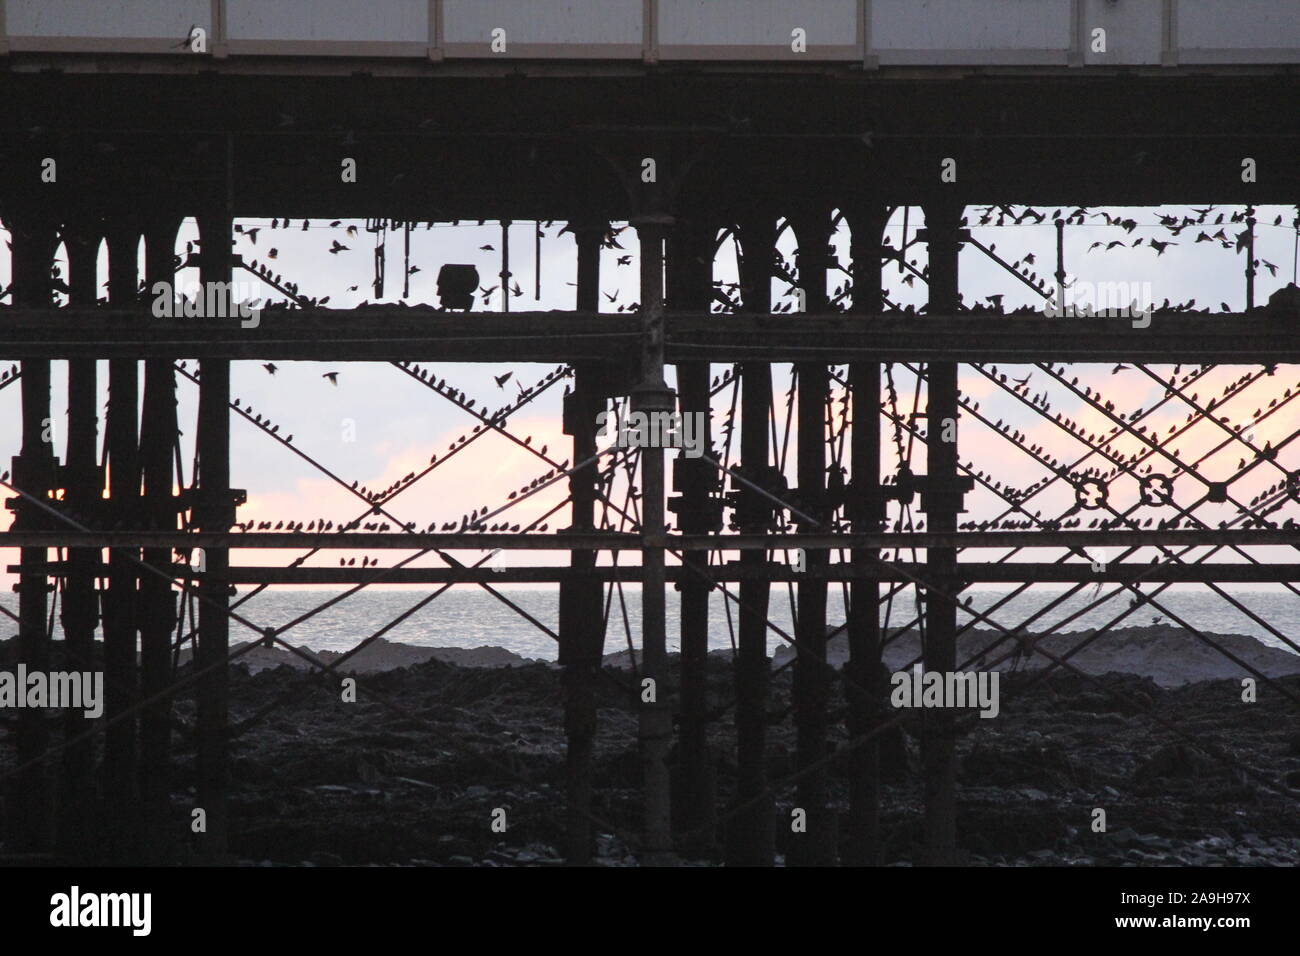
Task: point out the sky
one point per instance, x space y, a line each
379 423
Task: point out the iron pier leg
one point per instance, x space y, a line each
815 847
938 743
121 610
83 483
653 396
582 628
32 812
865 692
215 513
157 601
750 836
690 277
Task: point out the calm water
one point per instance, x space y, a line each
470 617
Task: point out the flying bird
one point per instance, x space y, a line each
270 367
332 376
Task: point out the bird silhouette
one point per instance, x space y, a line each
338 247
502 379
332 376
271 367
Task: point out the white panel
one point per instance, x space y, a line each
1134 31
991 25
106 18
1239 25
369 20
543 21
757 22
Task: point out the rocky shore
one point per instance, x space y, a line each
416 779
327 782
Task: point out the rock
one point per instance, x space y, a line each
1123 836
1173 761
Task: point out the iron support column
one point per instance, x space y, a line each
32 813
121 611
942 505
214 512
812 683
651 397
865 690
690 277
83 494
750 836
582 622
157 601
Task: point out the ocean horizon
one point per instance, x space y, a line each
467 616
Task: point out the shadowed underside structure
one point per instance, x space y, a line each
146 139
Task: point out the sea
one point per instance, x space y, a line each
468 616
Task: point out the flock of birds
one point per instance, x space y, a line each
1208 228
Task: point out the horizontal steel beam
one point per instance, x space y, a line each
616 541
972 573
394 333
